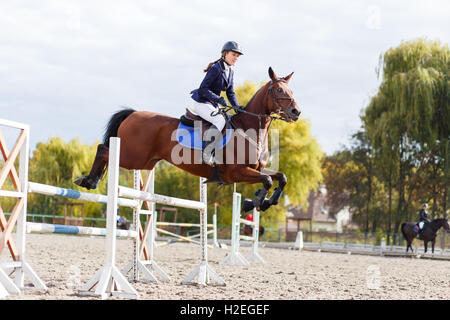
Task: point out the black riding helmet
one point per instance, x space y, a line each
232 46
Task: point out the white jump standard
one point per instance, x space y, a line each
148 267
235 257
109 280
19 268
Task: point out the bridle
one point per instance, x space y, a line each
278 114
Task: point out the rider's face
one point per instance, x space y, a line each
231 57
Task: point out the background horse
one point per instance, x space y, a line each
147 137
428 234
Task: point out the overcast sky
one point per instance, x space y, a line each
66 66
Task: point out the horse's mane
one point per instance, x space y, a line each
438 220
256 93
438 223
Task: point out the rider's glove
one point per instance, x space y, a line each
222 101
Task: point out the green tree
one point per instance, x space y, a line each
407 122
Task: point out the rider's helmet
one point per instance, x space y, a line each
232 46
425 205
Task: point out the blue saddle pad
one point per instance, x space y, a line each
189 137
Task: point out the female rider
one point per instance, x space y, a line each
218 78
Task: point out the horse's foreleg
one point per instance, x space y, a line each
425 246
432 245
282 181
98 168
250 176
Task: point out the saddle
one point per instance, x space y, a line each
189 119
189 136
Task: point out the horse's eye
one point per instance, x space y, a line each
280 90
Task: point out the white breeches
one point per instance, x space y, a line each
421 223
204 110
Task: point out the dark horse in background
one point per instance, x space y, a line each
429 232
146 138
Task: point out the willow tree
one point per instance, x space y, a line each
409 116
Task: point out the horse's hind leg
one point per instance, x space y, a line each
98 168
409 246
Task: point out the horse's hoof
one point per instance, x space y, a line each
265 205
85 182
80 181
247 205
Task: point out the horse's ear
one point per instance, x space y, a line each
272 74
288 77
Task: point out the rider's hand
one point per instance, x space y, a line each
222 101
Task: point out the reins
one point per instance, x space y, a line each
278 115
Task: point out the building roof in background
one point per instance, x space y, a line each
317 208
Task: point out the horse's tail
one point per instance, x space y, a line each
114 123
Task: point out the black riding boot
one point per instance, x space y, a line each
210 145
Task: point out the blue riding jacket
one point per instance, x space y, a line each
213 84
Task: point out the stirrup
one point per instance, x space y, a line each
215 177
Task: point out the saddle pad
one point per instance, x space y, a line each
189 137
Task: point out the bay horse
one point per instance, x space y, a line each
148 137
429 232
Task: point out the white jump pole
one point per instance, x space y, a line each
46 189
65 229
109 280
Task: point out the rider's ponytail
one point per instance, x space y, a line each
211 64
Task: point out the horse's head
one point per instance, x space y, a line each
280 98
446 226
